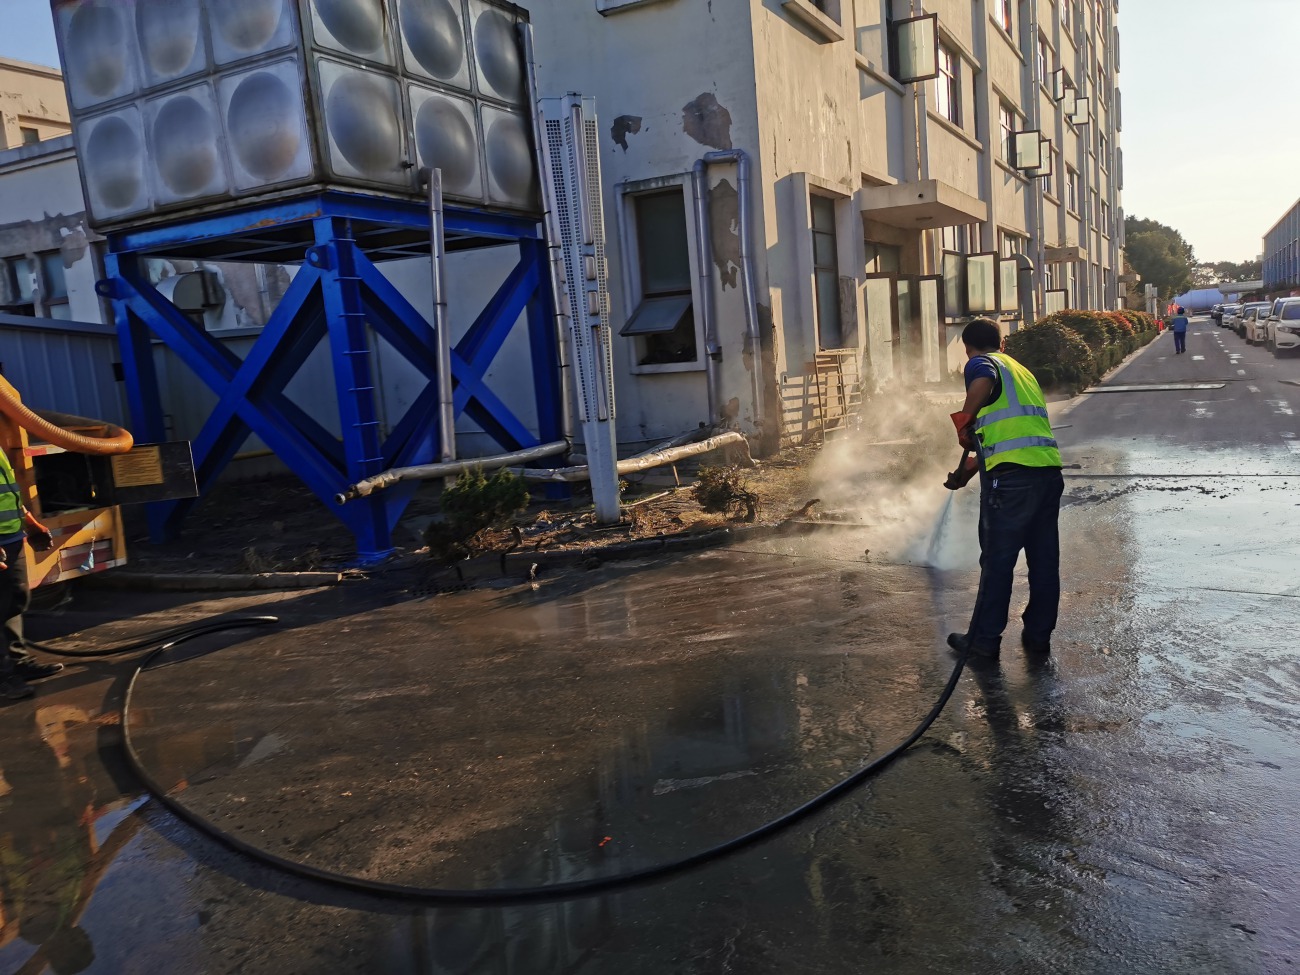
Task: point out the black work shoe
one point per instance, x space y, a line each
29 668
1040 647
961 643
14 688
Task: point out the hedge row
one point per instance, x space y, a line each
1073 349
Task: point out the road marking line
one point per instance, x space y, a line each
1198 358
1241 372
1253 389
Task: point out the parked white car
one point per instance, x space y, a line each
1239 320
1283 326
1254 323
1229 317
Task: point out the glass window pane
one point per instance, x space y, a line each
890 258
62 312
24 278
661 239
823 214
824 251
916 50
56 285
828 310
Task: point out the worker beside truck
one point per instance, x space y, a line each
17 526
1004 422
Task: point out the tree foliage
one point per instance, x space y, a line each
1160 254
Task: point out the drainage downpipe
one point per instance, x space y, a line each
749 284
441 329
429 472
632 465
559 287
704 257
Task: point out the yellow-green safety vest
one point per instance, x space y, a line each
11 503
1014 428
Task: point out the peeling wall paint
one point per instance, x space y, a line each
707 122
624 126
724 228
60 231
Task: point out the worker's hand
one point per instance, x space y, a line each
963 475
965 424
38 535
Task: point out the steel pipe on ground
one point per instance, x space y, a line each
429 472
643 462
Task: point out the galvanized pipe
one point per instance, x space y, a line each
441 328
632 465
430 472
708 314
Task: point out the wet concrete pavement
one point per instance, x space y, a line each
1129 805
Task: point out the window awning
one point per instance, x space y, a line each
922 205
655 316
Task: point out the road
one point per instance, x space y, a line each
1130 805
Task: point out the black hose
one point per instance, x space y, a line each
159 639
570 889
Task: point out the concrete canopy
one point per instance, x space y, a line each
922 205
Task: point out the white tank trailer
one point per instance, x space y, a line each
192 107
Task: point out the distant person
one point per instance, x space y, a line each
1004 421
1179 325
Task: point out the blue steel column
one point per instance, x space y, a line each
140 374
354 383
544 344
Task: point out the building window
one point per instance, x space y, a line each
1044 59
831 8
1010 244
1096 209
54 286
1103 148
664 321
17 286
1006 18
1105 219
29 136
826 271
1007 131
1067 11
883 258
948 86
1071 190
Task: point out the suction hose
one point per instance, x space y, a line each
164 640
50 426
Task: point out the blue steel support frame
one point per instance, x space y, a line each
339 295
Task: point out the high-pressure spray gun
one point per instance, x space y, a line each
969 465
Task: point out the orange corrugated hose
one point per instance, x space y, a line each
115 440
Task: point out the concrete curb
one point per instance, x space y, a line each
506 564
211 581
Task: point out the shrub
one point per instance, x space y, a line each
471 506
1056 354
723 490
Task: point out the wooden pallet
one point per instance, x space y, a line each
826 400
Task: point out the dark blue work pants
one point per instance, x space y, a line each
1180 342
1018 512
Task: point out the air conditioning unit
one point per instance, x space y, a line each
576 224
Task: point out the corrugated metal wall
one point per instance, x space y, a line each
63 366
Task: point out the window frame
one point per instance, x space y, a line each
949 85
633 288
1006 18
1007 122
8 269
1072 190
820 270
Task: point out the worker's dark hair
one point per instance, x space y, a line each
1182 310
982 335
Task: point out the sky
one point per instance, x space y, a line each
1210 143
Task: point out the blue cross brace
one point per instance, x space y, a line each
339 295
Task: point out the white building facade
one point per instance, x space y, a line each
870 202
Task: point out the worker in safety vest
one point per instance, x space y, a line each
16 525
1004 421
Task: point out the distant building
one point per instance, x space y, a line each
33 104
1282 252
